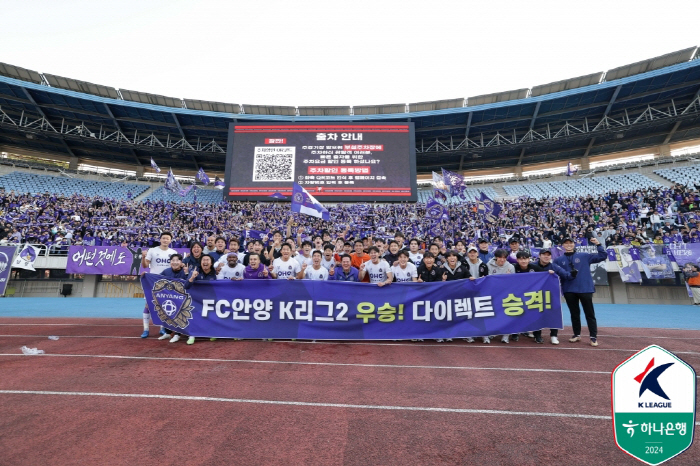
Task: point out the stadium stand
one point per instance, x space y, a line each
682 175
470 194
21 182
573 188
204 196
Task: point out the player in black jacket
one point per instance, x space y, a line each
454 269
428 271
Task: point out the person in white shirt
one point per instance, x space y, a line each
378 269
405 271
232 270
414 253
315 271
304 257
156 260
286 268
328 261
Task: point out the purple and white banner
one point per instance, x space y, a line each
7 255
682 253
108 260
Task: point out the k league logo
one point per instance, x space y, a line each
653 404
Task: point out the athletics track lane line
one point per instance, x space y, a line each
310 363
309 404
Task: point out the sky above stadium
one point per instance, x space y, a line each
358 52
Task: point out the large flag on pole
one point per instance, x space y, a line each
154 166
452 178
171 184
438 181
185 191
218 184
305 203
201 176
26 257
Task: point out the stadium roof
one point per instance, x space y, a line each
640 105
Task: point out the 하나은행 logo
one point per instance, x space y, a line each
653 405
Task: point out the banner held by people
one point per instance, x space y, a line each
500 304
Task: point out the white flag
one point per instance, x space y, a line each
26 257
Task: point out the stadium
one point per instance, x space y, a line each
608 162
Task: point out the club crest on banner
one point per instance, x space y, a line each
298 197
172 303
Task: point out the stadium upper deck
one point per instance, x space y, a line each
644 104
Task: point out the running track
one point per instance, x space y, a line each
102 395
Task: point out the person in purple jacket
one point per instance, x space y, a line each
255 269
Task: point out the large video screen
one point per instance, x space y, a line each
333 162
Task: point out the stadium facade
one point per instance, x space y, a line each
649 104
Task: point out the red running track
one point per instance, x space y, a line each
103 395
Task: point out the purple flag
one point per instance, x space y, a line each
278 196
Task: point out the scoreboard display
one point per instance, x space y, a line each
348 162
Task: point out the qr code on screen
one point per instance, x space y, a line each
274 164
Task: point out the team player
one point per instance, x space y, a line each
453 268
428 271
315 271
156 261
405 271
232 270
286 268
414 253
377 269
328 261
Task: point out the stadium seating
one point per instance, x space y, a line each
424 195
684 175
22 182
204 196
581 186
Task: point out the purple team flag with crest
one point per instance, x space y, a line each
171 183
201 176
305 203
218 183
436 211
452 178
7 254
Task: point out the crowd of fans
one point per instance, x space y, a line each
375 243
655 215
